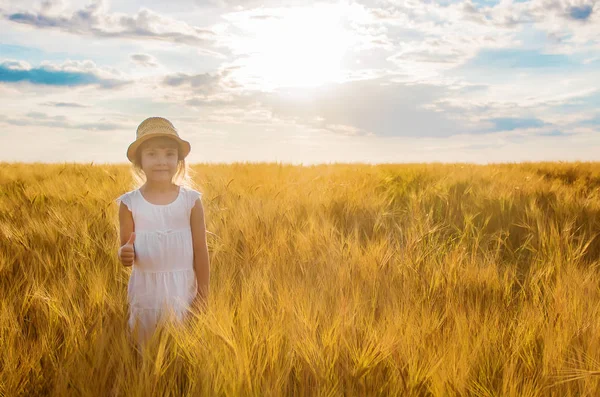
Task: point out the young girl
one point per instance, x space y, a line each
162 231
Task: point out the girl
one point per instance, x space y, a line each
162 231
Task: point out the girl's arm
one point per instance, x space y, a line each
201 259
126 225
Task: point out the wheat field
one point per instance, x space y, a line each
328 280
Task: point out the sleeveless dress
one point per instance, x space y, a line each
162 275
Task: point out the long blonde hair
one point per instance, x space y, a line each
184 176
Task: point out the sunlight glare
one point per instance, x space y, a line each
298 48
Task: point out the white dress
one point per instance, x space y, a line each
162 275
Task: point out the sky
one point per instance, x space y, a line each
377 81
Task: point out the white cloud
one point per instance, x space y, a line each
144 60
96 20
571 25
59 121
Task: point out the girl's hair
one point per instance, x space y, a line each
183 175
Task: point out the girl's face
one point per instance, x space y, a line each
159 158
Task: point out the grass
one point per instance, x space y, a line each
414 279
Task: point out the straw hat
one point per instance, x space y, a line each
153 127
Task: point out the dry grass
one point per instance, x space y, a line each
443 280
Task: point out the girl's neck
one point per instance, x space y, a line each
158 187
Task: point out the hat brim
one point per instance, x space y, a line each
184 146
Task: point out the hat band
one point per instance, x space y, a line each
157 130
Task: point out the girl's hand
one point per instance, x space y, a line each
127 251
200 303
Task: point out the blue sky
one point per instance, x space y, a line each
294 81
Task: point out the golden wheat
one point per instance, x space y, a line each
330 280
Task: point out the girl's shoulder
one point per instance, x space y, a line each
191 195
127 199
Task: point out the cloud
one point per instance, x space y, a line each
250 4
60 121
95 20
569 25
70 73
377 107
203 80
520 58
512 13
553 133
430 38
144 60
205 84
53 6
426 39
595 121
342 129
64 105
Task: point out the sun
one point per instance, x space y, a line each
293 48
